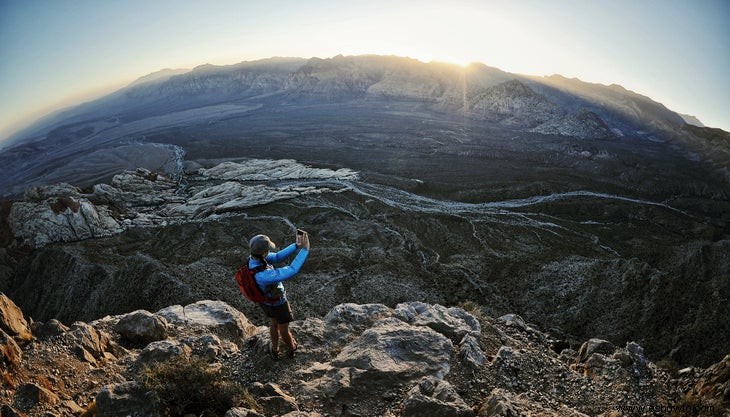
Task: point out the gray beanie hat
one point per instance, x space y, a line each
260 244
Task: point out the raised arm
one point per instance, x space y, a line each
272 276
282 254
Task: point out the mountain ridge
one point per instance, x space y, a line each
294 65
369 84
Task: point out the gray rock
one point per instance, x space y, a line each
213 316
391 348
513 320
62 219
141 326
638 360
357 316
12 320
471 353
383 358
126 400
162 351
435 398
504 353
452 322
45 192
144 188
594 346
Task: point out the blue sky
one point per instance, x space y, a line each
59 52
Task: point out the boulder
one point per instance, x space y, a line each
594 346
383 358
126 399
391 348
513 320
639 366
273 399
471 353
435 398
28 396
85 338
12 320
141 327
162 351
60 219
357 316
212 316
10 353
452 322
49 329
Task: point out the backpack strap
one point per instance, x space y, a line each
255 270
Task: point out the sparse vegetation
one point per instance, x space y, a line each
185 387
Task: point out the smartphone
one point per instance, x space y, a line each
300 232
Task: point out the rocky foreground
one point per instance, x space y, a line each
416 359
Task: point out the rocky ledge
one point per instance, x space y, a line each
416 359
141 198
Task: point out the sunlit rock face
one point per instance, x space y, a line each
141 198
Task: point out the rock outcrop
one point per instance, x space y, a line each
366 360
12 320
141 198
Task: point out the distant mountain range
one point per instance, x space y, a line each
553 105
480 94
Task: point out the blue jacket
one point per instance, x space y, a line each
270 280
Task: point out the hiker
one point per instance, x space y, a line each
269 280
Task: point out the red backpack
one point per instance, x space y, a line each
247 284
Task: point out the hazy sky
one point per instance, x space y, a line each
58 52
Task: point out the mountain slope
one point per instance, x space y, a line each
368 84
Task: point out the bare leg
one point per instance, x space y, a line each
286 336
274 333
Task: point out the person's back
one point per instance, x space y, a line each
270 281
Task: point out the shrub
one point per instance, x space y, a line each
193 387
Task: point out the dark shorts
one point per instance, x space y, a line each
281 313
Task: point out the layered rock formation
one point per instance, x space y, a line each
366 360
141 198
